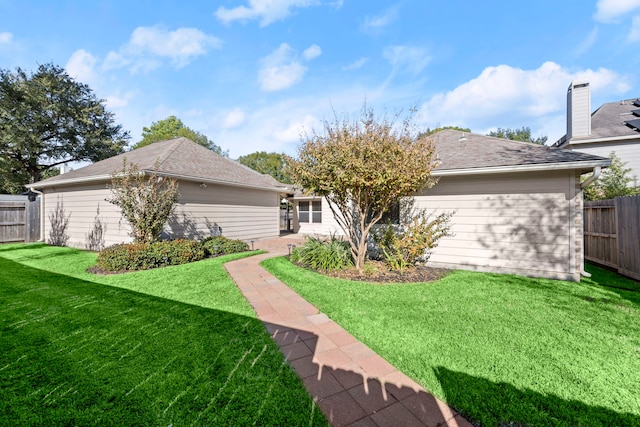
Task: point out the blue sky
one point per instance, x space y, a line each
253 74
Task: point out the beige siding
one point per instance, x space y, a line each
81 204
241 213
329 225
516 223
629 152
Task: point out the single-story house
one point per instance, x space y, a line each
216 195
614 126
518 206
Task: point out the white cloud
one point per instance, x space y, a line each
280 70
610 10
119 100
376 22
149 46
268 11
233 118
359 63
634 35
311 52
81 66
587 43
292 131
406 58
6 38
503 93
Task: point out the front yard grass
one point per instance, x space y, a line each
501 349
172 346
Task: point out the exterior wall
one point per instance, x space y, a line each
628 151
327 227
80 204
241 213
526 224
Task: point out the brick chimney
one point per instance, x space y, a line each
578 110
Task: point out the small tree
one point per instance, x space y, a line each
145 199
412 241
362 168
59 221
614 182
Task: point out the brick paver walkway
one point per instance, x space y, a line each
351 384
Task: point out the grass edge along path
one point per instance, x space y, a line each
499 348
76 352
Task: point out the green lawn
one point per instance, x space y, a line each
500 348
174 346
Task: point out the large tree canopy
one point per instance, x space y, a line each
172 127
363 168
523 134
267 163
48 119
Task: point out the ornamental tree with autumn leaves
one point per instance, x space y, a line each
363 167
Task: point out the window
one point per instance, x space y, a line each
303 211
316 212
310 211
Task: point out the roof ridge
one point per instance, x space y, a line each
166 154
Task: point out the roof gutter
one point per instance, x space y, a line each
524 168
99 178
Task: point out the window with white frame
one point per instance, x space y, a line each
310 211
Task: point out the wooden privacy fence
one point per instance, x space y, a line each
19 221
612 234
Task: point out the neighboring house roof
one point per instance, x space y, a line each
612 121
462 153
179 158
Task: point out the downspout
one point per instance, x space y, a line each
41 194
594 176
587 182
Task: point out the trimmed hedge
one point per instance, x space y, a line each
220 245
144 256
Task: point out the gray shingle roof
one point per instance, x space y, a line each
460 151
608 120
178 157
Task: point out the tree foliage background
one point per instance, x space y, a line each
615 181
172 127
523 134
363 167
47 119
267 163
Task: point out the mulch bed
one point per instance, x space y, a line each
380 273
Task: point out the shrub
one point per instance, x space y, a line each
324 255
220 245
412 242
147 255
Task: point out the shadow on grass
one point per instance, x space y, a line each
501 404
82 353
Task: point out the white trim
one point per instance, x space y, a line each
611 139
524 168
99 178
